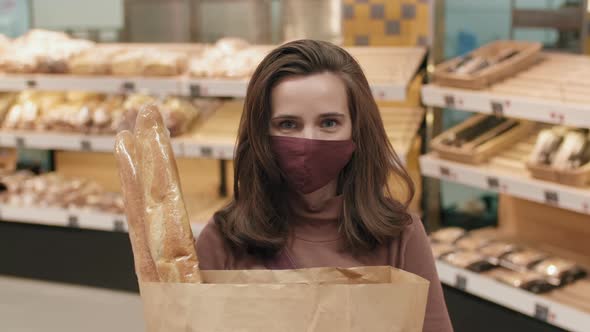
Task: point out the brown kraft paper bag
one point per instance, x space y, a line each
179 297
375 299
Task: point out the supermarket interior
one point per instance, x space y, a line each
486 103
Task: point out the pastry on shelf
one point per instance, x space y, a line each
95 61
41 51
179 115
561 155
129 62
53 190
148 62
164 63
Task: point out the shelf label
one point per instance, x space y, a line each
493 183
119 226
497 108
449 101
206 151
195 90
31 84
460 282
85 145
128 87
541 312
447 173
20 142
73 221
551 197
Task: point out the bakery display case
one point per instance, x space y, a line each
535 260
71 96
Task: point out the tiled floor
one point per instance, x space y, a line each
27 305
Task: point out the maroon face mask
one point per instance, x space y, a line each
310 164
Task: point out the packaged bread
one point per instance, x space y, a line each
447 235
559 271
522 259
441 249
530 281
472 242
159 228
469 260
496 250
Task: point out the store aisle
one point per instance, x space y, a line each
27 305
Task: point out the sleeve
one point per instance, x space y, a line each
212 249
416 257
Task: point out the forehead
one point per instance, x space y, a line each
322 92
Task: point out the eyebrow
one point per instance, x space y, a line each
323 115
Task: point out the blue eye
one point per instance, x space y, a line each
287 124
329 123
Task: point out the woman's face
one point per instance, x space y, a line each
313 106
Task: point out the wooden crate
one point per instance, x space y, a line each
527 56
477 154
579 177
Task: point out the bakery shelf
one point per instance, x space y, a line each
506 173
553 91
73 218
388 69
542 307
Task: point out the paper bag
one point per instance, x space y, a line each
364 299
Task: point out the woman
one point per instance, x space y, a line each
312 166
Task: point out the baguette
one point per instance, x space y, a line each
168 228
134 207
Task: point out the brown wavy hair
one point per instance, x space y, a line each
256 220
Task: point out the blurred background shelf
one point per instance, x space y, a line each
511 179
552 91
542 307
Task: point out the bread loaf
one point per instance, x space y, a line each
157 199
134 207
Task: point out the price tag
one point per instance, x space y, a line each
85 145
128 87
493 183
195 90
20 142
551 197
445 172
541 312
73 222
206 151
31 84
497 108
460 282
119 226
449 101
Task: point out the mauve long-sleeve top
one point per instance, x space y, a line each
316 241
